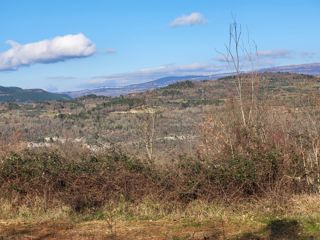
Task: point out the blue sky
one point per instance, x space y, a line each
68 45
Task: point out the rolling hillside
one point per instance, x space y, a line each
15 94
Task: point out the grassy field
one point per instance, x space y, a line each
295 218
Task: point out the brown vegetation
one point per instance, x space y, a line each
210 151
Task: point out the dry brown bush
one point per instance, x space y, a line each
85 180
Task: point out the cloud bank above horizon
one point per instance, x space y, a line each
54 50
153 73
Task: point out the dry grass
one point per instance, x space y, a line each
33 212
153 220
302 204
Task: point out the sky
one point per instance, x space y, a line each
62 45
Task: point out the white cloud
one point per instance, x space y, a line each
194 18
53 50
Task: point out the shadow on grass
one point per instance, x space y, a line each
280 229
284 229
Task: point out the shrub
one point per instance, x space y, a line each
85 182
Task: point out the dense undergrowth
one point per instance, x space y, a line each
84 180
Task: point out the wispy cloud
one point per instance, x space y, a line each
61 78
53 50
149 74
110 51
270 57
308 55
194 18
277 53
260 55
51 88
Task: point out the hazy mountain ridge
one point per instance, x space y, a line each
140 87
310 69
16 94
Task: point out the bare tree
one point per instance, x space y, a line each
236 52
149 132
233 58
147 122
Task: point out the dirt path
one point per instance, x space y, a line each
159 230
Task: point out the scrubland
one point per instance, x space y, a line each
193 160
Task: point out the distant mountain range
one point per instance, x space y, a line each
310 69
15 94
140 87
